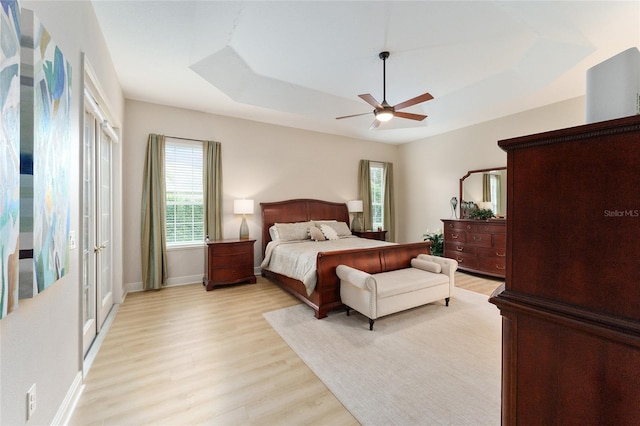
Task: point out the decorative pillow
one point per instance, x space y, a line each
293 231
341 228
329 232
316 234
426 265
273 233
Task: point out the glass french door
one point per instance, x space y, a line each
97 282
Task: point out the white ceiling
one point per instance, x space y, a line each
303 63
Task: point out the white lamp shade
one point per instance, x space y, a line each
354 206
243 206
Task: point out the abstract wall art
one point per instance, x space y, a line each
9 154
45 143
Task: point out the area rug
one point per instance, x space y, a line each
432 365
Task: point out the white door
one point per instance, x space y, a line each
97 282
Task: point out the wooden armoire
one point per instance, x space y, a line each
570 305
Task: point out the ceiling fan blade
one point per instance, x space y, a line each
375 124
354 115
418 117
371 101
418 99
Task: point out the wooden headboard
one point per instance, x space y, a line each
299 210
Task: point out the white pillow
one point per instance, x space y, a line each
316 234
329 232
273 233
426 265
341 228
293 231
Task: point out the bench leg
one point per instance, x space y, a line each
370 324
446 301
348 310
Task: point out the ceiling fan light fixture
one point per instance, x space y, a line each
384 115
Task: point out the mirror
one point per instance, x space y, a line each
486 189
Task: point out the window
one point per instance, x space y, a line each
376 174
184 195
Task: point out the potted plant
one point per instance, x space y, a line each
481 214
437 242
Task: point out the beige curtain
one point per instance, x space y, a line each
364 193
389 215
212 189
486 187
153 239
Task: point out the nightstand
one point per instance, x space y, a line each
372 235
228 262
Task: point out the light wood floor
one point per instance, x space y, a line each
185 356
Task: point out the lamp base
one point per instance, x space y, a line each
244 229
356 225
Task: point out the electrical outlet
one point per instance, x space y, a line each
31 401
72 240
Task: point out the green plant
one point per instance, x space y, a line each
437 242
481 214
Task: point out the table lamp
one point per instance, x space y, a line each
243 207
355 207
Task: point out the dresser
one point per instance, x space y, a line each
228 262
477 245
571 301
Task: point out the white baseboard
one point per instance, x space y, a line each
176 281
63 416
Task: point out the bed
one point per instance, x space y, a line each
325 295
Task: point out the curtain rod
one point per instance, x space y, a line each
184 139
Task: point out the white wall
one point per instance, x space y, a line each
260 161
431 169
41 342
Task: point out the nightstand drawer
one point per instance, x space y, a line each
230 249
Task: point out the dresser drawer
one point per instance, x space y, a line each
492 265
455 236
499 252
459 225
460 248
479 239
464 260
491 227
500 241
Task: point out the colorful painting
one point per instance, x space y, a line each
9 154
45 144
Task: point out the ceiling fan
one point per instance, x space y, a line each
385 112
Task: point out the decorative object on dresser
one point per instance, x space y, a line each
477 245
229 262
243 207
571 323
454 205
372 235
355 207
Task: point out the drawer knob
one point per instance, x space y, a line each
460 248
454 236
476 238
500 267
500 254
460 259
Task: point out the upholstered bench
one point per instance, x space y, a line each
429 278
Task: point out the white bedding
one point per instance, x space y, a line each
297 259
